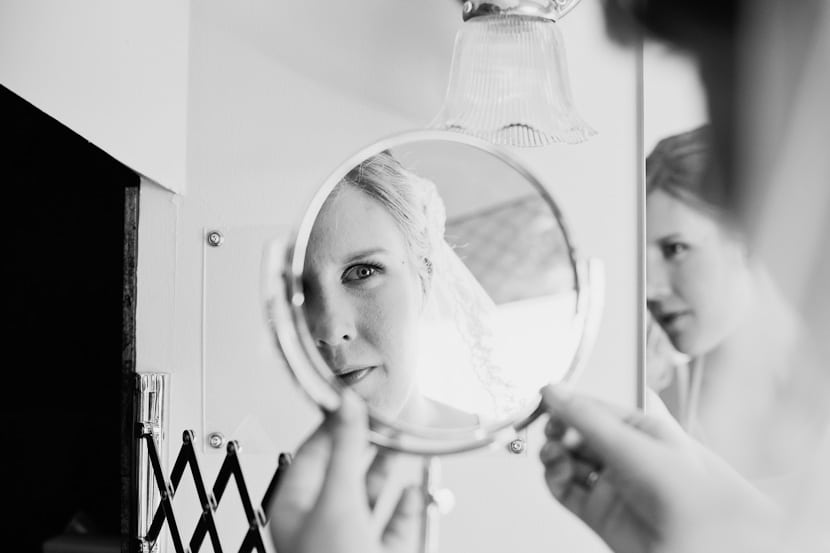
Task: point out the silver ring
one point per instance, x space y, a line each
589 480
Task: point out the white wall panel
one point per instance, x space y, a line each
114 72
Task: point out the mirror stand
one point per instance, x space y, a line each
436 501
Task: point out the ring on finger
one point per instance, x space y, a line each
588 480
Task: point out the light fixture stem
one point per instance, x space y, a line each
553 10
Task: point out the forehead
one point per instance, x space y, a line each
351 222
666 214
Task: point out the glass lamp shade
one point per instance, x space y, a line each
509 84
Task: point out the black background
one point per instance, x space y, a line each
63 242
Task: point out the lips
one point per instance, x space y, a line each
352 375
670 320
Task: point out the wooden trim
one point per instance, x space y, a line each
129 442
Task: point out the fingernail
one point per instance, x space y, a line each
554 395
572 438
545 451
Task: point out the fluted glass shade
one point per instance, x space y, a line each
509 84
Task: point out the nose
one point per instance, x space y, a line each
658 284
330 319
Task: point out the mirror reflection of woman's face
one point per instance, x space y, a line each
363 298
697 274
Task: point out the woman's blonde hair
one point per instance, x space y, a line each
411 200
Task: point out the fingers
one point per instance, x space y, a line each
585 474
606 433
558 469
377 476
308 467
300 485
567 470
658 423
403 531
555 428
345 474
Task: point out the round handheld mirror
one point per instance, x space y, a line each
434 275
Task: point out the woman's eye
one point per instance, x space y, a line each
674 249
359 272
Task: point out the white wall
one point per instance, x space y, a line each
114 72
672 93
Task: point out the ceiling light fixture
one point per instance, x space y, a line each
509 80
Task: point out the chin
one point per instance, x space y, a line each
391 402
695 344
386 404
687 343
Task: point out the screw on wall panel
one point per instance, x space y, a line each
215 238
216 440
516 446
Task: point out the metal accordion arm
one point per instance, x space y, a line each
255 515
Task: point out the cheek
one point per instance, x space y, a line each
390 322
693 281
707 282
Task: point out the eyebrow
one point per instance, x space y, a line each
363 254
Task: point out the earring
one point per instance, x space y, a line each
428 264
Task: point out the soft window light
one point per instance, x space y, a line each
509 79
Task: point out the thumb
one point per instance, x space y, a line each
604 431
296 494
345 475
659 422
403 531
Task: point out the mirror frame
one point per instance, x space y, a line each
286 317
